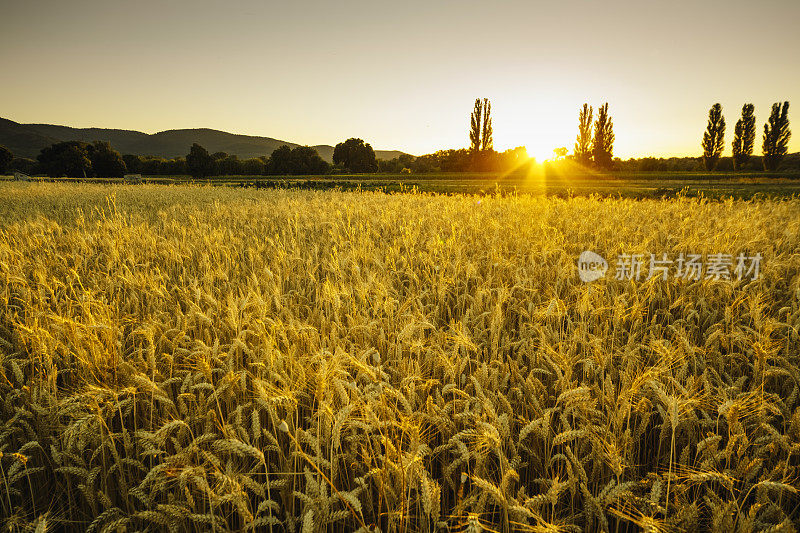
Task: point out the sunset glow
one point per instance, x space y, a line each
402 76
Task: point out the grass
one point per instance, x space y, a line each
214 358
553 182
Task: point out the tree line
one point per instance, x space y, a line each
594 148
774 145
78 159
479 157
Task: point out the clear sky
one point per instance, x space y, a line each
402 75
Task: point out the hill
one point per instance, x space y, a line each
26 140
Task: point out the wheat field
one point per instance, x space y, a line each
208 359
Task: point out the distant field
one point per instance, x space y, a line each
191 359
624 184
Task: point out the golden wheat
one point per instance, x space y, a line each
193 359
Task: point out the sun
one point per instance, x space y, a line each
541 147
541 125
540 153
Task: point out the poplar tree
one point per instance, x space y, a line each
486 136
603 141
776 136
480 127
475 127
744 136
714 137
583 144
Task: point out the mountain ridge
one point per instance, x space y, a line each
27 140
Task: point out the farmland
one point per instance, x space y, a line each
221 358
552 182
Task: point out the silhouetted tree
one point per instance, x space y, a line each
69 158
776 136
229 165
199 163
399 164
133 163
714 137
583 143
254 167
475 126
744 136
301 160
6 157
280 161
151 165
486 136
22 164
176 167
480 127
106 162
355 155
603 141
306 160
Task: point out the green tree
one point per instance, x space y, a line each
776 136
280 161
23 164
305 160
301 160
6 157
229 165
603 141
106 162
744 136
583 143
254 167
70 158
714 137
355 155
198 162
174 167
133 163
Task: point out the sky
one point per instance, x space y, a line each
402 75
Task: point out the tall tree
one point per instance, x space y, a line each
744 136
776 136
6 157
480 127
475 126
355 155
603 141
583 143
199 162
714 137
486 135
